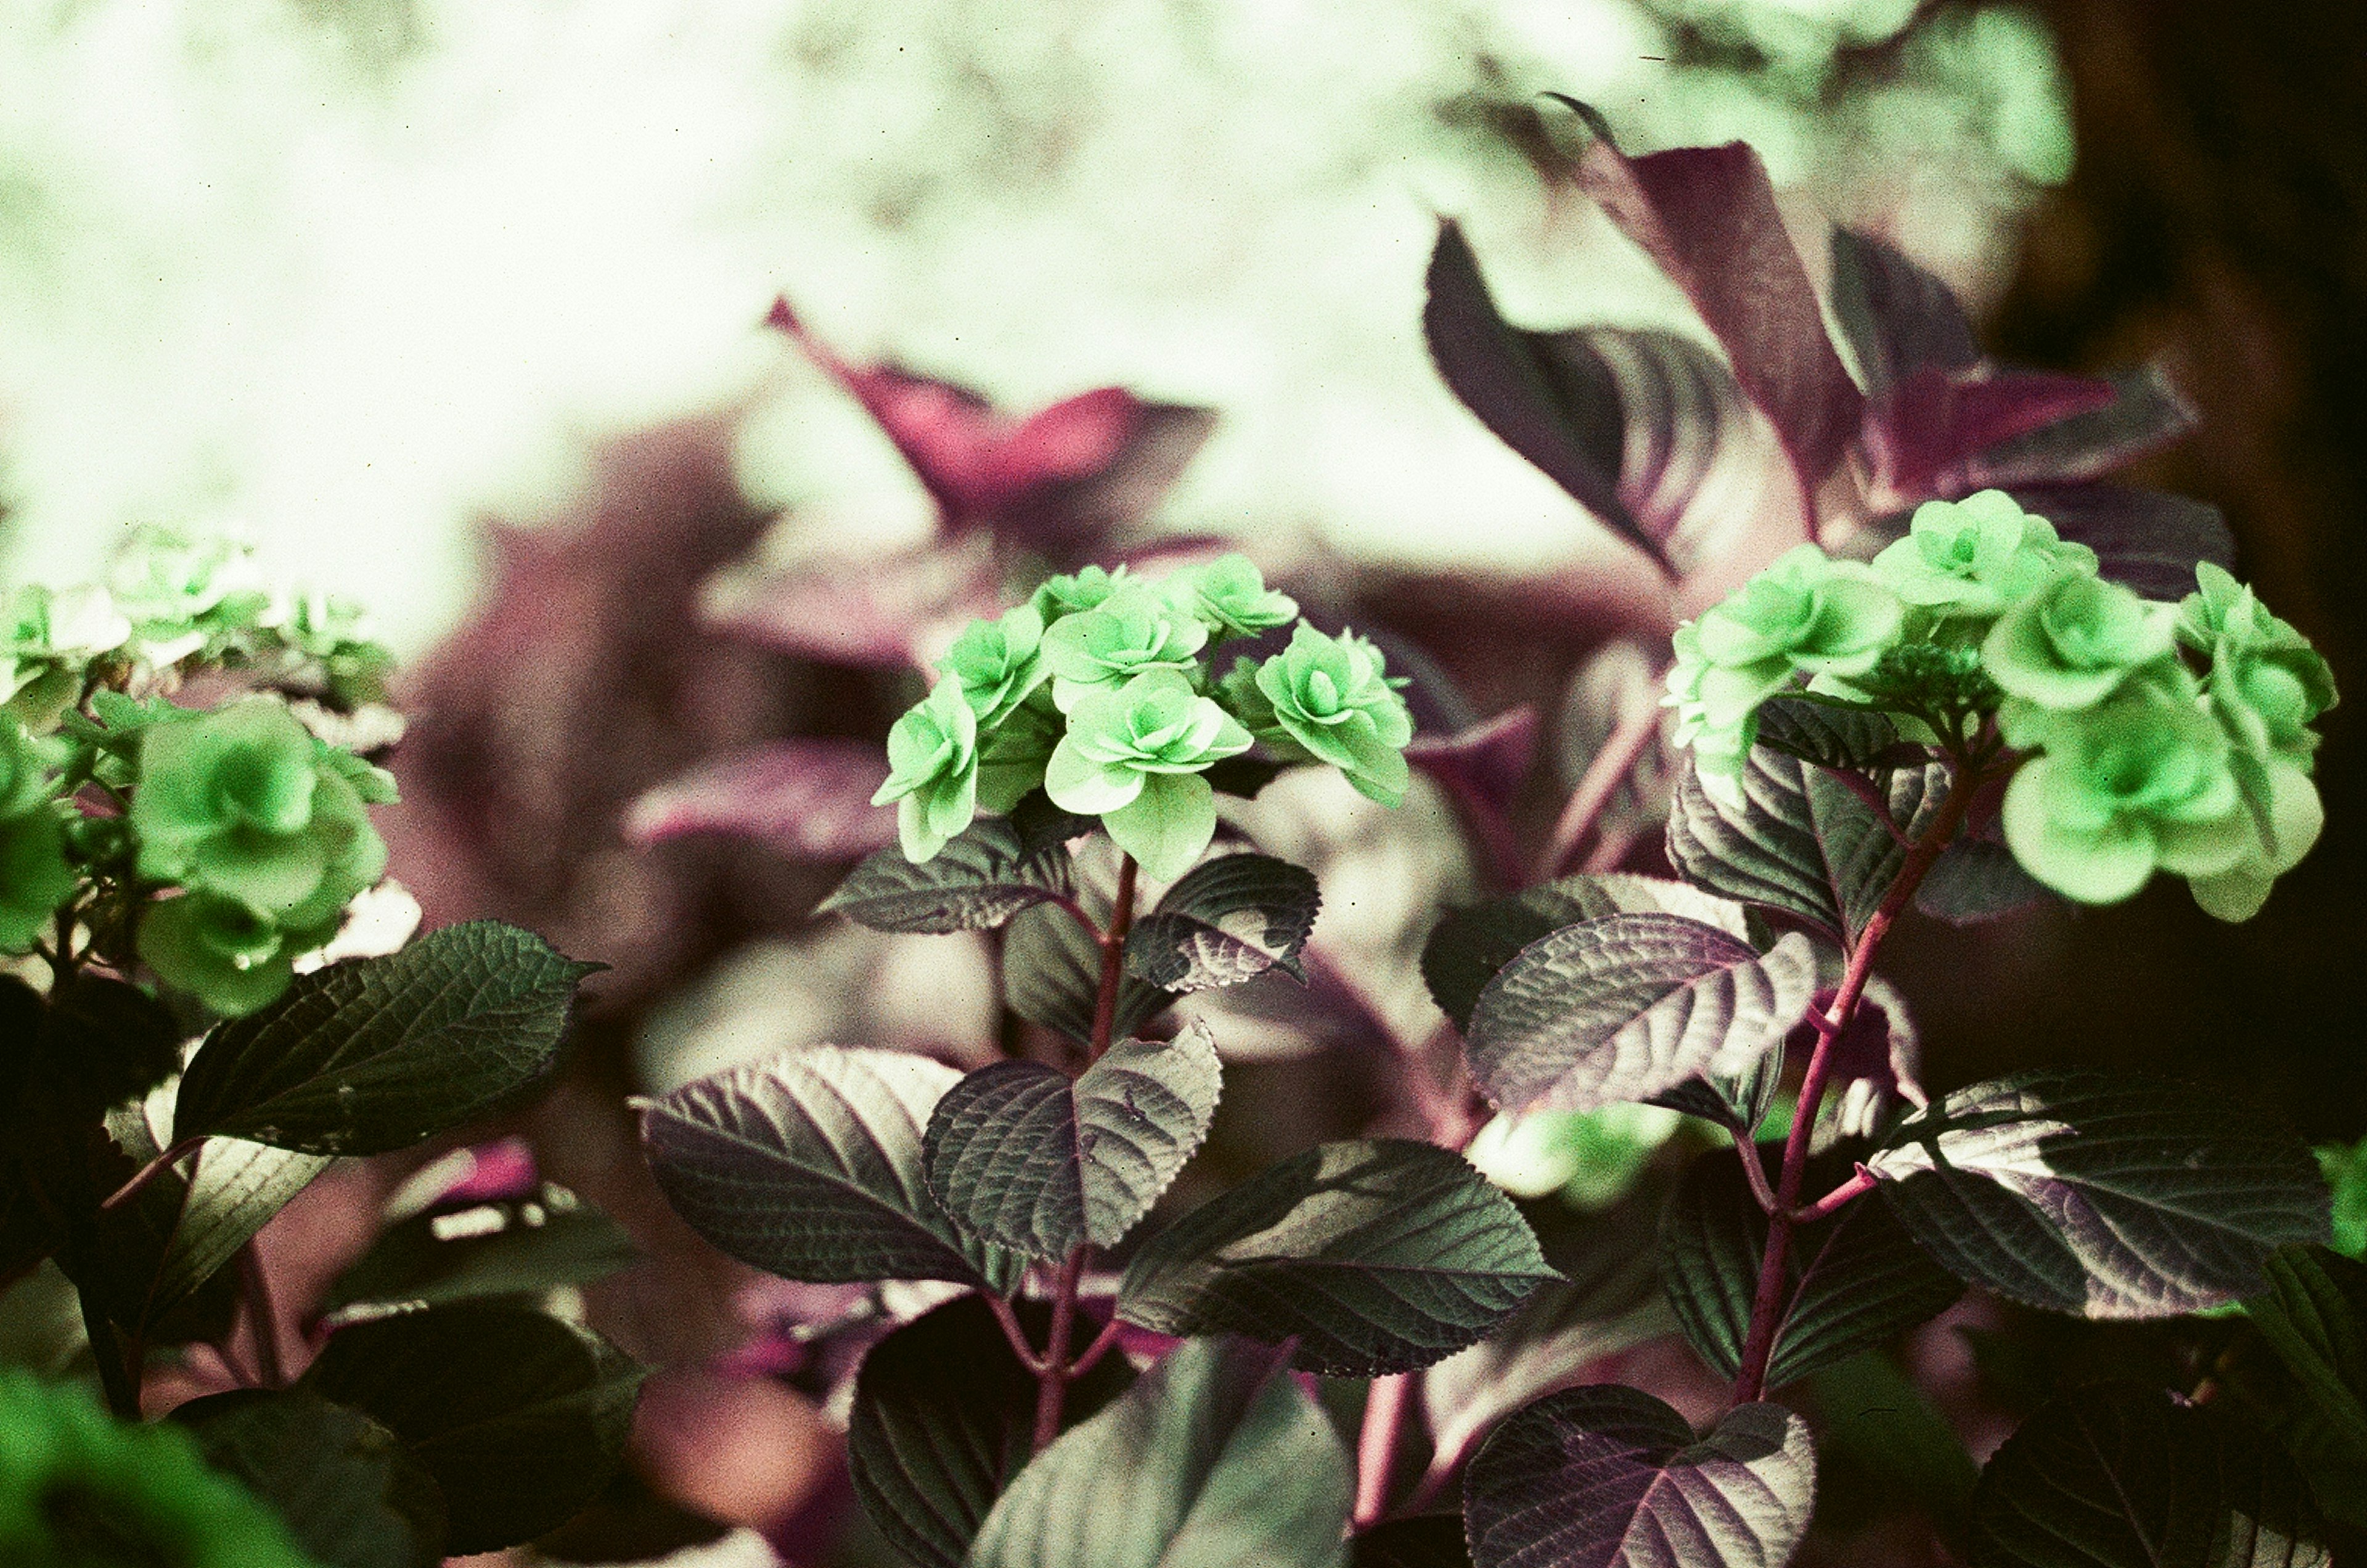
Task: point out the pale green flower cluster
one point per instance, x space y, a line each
2151 737
1098 690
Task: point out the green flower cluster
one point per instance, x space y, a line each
218 846
79 1488
1099 690
2133 759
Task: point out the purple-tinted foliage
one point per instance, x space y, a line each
810 799
1927 437
497 1170
1898 318
1484 763
893 611
1056 484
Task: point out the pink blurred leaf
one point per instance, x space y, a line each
886 612
1707 217
808 798
1055 482
1923 437
1898 318
2149 539
2148 411
1485 762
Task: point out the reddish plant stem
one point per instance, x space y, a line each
1113 960
1052 1380
1832 1202
1754 1171
149 1172
1770 1300
1101 1346
1598 785
1376 1448
261 1317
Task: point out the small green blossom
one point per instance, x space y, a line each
933 769
321 626
1719 748
2139 783
1012 759
1332 699
2266 684
34 876
1978 557
243 803
1133 756
79 1489
58 629
1230 598
177 588
2284 809
1087 588
222 952
2073 640
2345 1169
999 663
1135 630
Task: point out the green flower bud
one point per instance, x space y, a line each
79 1489
1230 598
1010 760
1976 557
1088 588
242 802
2266 684
1334 699
998 662
2073 640
54 628
1133 757
177 587
933 769
1135 630
2138 783
222 952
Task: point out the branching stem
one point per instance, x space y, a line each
149 1172
1769 1300
1052 1376
1599 785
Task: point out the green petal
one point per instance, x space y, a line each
1078 783
2099 867
2234 896
1167 825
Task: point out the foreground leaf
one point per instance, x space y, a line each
1853 1280
511 1246
983 876
1023 1155
1227 921
1469 945
350 1493
2109 1197
808 1164
380 1054
2314 1314
1628 1007
1378 1257
2119 1475
521 1418
1609 1477
943 1418
1215 1457
1883 1450
235 1189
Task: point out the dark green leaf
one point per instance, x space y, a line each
2314 1314
521 1418
1433 1541
1377 1256
1882 1450
1469 945
1225 920
235 1191
1052 973
1609 1477
808 1165
1978 879
104 1042
1735 1102
380 1054
352 1496
1831 737
1213 1458
943 1418
2120 1475
1855 1279
1022 1156
982 877
2108 1196
1800 841
514 1247
1628 1007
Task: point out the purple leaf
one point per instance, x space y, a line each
1923 437
1897 317
809 798
887 613
1609 1477
1644 429
1708 216
1055 482
2148 412
2147 538
1484 763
